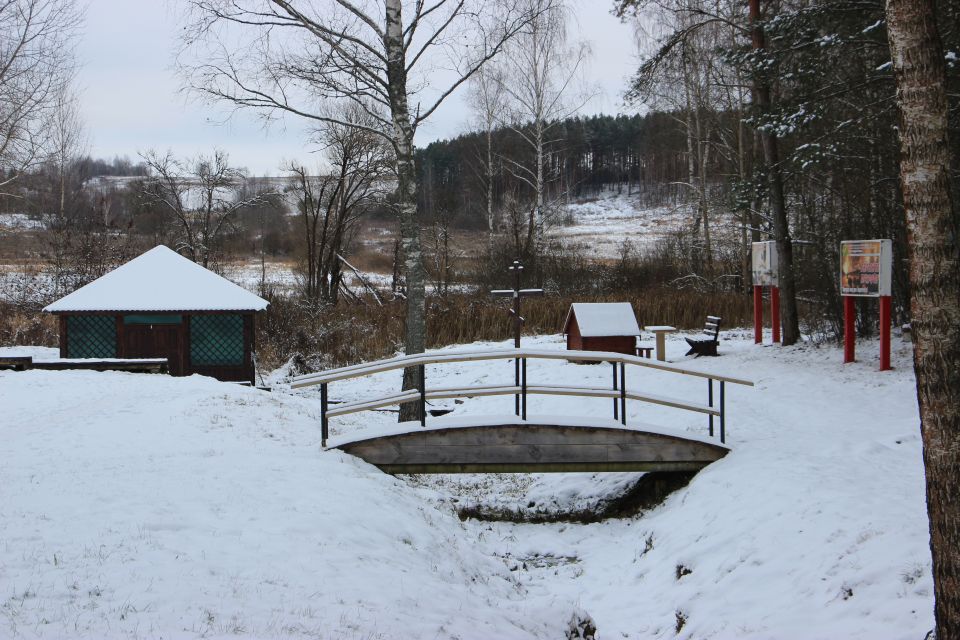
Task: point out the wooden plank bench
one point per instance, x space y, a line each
706 346
644 351
16 363
142 365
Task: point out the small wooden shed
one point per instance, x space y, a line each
162 305
602 326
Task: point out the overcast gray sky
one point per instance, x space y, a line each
131 101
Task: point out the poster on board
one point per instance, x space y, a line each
765 264
865 267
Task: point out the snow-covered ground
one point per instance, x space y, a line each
147 506
602 225
19 221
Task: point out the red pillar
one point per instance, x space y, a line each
757 314
775 312
849 316
884 333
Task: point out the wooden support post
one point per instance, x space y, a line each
616 402
849 337
623 395
710 401
884 333
775 313
324 421
423 395
757 314
723 415
523 386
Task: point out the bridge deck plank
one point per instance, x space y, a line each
533 447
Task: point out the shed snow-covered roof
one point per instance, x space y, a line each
603 319
160 280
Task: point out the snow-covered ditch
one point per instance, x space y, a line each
147 506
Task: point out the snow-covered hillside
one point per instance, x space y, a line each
147 506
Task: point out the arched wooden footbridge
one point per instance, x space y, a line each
501 444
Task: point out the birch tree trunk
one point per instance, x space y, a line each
932 226
415 331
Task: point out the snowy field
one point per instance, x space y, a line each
19 222
136 506
604 224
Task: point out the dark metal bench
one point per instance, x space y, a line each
706 346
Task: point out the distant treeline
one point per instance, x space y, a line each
629 153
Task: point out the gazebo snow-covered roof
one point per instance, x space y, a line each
597 319
162 305
159 280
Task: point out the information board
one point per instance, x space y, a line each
766 264
865 267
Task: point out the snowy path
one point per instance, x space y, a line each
144 506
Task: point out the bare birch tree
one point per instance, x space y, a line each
36 67
932 228
488 102
404 58
540 78
332 203
68 142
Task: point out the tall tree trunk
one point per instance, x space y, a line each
932 229
778 210
416 327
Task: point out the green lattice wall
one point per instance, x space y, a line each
216 340
91 337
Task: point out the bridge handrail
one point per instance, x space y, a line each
520 389
509 390
402 362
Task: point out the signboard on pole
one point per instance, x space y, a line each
766 264
865 268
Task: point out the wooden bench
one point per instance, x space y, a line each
16 363
706 346
644 350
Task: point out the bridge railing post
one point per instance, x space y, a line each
523 386
623 395
723 421
423 395
324 421
710 402
616 401
516 383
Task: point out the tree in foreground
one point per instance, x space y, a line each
396 60
932 229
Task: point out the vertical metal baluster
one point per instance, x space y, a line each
523 386
423 395
623 395
710 401
516 383
324 423
723 415
615 388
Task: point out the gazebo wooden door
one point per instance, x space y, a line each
155 341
